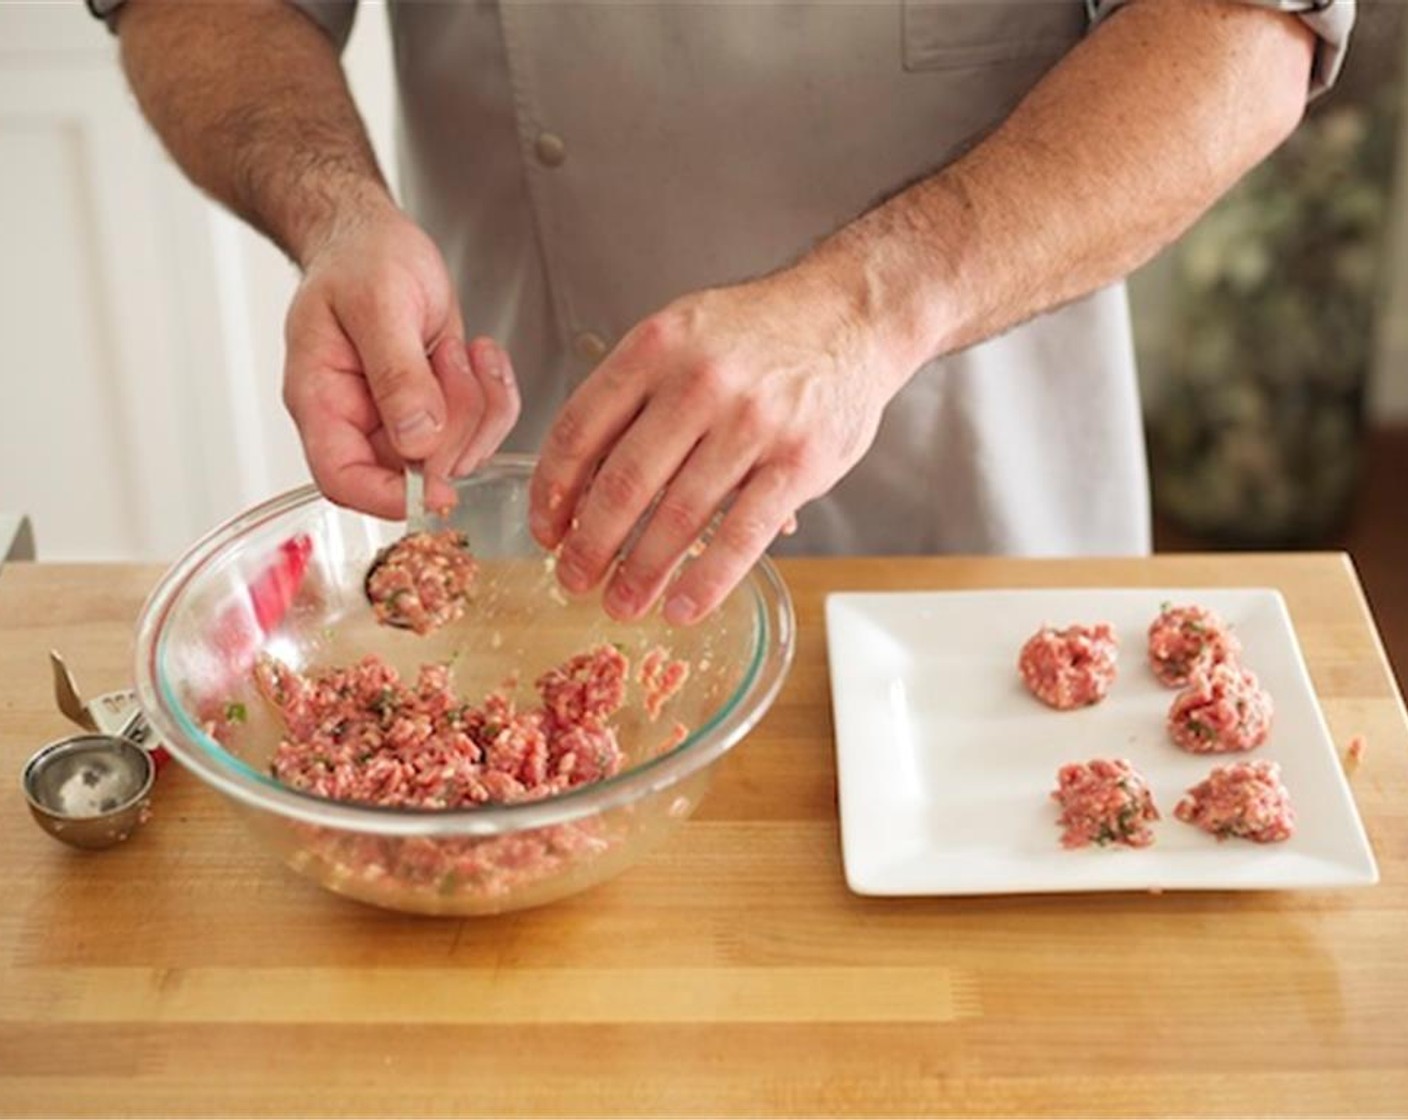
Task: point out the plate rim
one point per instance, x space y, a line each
1362 871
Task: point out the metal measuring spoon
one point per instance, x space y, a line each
90 791
420 581
415 498
415 523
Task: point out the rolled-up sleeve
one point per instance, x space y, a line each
1331 20
105 10
335 17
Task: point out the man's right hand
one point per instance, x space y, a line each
251 101
377 371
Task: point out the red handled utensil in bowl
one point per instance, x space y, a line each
242 625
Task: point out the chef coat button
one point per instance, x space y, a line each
589 346
550 149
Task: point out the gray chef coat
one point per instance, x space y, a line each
581 164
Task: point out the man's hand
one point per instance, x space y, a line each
772 390
377 371
250 100
753 399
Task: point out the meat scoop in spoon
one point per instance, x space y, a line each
421 581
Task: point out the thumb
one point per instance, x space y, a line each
406 391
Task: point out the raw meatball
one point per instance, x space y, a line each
1243 799
1223 709
422 581
1104 802
1070 668
1184 640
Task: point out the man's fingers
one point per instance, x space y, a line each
621 492
337 420
493 373
464 402
763 507
407 394
383 451
340 458
590 422
698 490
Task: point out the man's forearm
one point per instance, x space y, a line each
1112 155
251 101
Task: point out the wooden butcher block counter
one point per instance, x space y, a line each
732 972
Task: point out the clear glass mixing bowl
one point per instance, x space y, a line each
286 579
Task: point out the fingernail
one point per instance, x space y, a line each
494 363
465 467
541 524
459 355
416 425
570 572
679 609
621 599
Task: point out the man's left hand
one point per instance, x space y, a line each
747 401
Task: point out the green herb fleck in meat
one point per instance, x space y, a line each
385 702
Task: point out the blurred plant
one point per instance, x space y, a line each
1256 438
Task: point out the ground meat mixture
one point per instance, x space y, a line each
494 867
1104 801
1354 753
422 581
1243 799
1188 639
585 689
1070 668
661 677
1223 709
361 734
678 734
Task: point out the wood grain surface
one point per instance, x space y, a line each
186 972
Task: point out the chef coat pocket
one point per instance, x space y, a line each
949 34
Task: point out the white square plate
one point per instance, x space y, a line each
946 762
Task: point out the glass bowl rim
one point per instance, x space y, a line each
772 659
